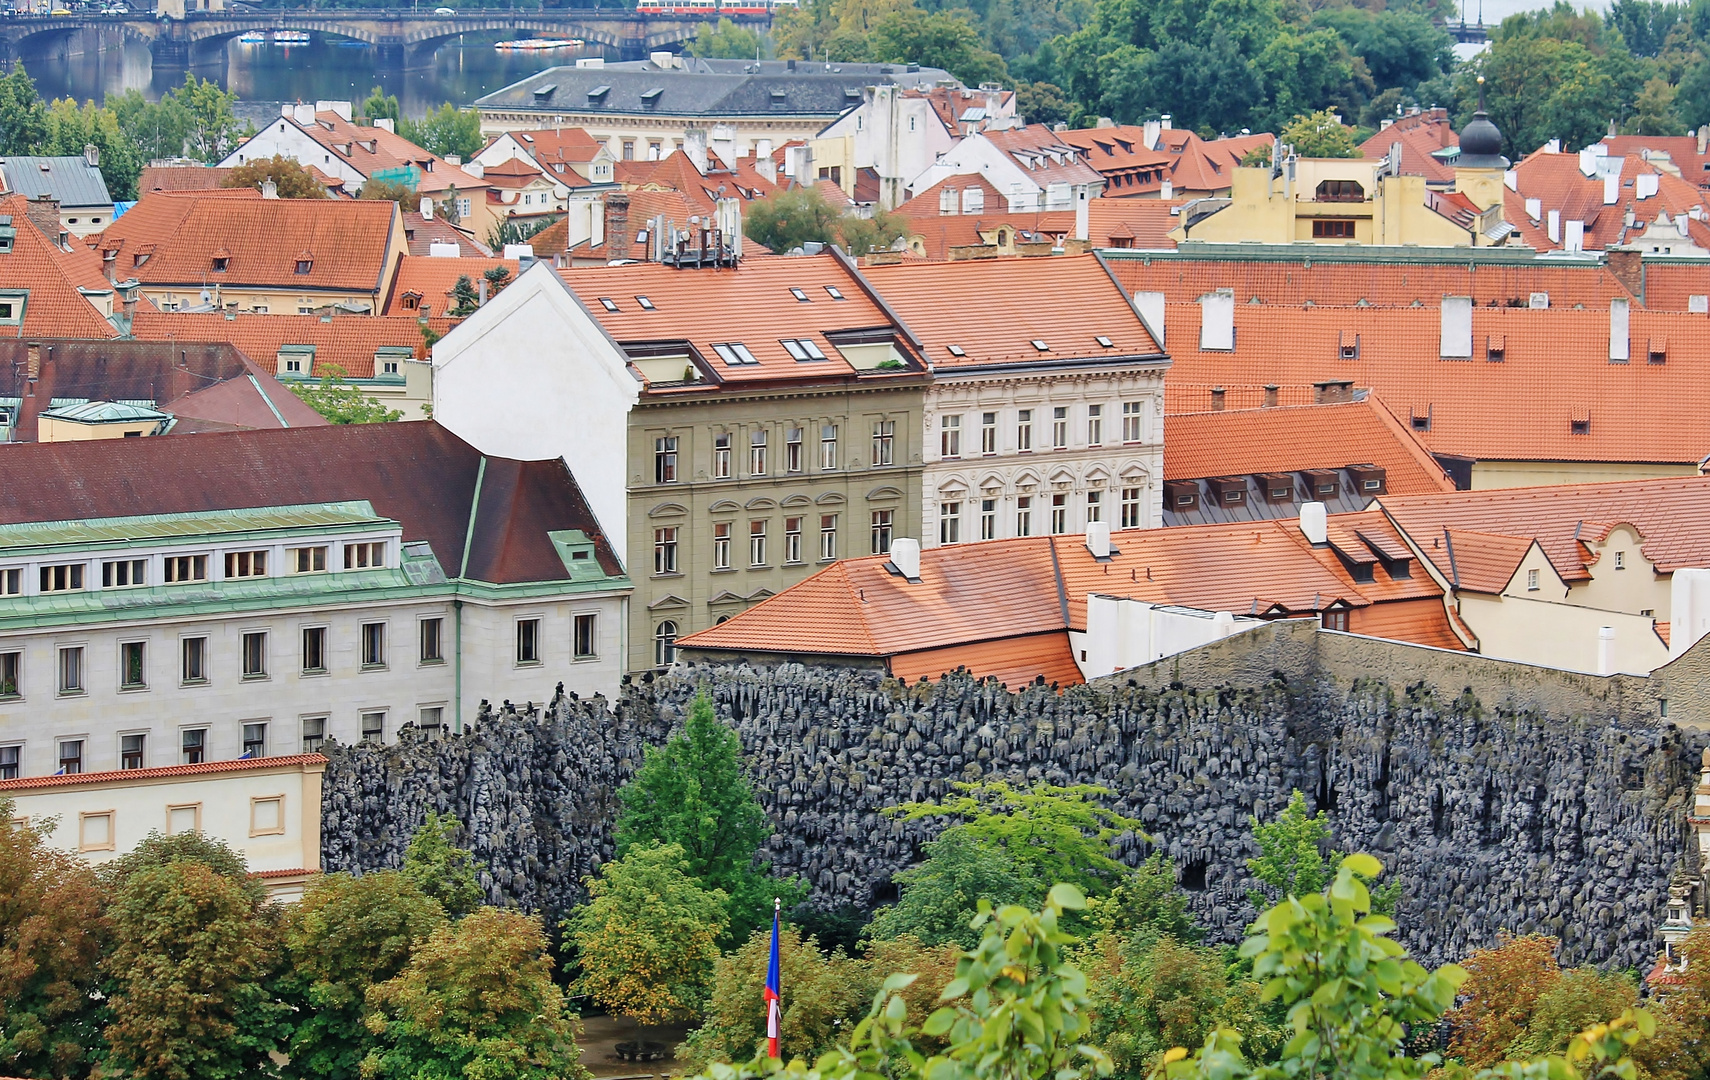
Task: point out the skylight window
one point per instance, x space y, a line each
802 349
735 354
799 295
644 302
1104 341
833 292
956 350
608 303
1041 346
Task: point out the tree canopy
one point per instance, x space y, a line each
291 180
341 403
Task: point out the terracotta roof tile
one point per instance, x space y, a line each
181 178
371 150
206 768
422 233
1012 661
569 145
54 307
1041 152
1132 223
431 280
350 341
1480 561
1202 166
1558 183
1420 137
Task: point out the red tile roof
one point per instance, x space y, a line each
1012 661
1044 155
1557 182
349 341
1677 152
1132 223
52 275
675 172
1300 437
181 178
346 242
369 150
422 233
1070 301
431 280
206 768
567 145
1478 561
1420 136
1205 166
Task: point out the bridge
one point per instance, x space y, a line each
403 38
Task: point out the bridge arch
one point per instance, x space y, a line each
198 33
443 30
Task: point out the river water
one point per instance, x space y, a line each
263 76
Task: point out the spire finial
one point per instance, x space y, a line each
1481 93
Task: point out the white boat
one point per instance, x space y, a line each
290 37
538 44
254 37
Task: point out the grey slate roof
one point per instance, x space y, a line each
71 180
707 89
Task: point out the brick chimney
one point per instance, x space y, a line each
1217 399
43 213
1331 391
37 396
1628 266
617 225
1271 396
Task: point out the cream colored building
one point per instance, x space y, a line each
266 809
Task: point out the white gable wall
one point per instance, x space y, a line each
283 137
976 156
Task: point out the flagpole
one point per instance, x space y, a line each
774 986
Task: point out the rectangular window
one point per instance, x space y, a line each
950 437
1095 425
432 651
431 720
1024 431
828 536
1131 421
374 727
242 564
307 560
1095 506
1130 508
828 446
132 670
884 442
793 450
735 354
71 670
665 550
255 654
1531 581
11 582
365 556
11 762
1059 428
254 740
131 751
1024 515
11 674
373 644
950 523
665 459
721 456
193 746
1059 514
70 756
757 543
721 545
803 349
882 532
757 453
792 540
314 650
1333 228
195 660
314 734
182 568
66 577
123 573
988 434
988 519
1335 620
528 641
585 641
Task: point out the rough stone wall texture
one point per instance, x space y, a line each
1505 797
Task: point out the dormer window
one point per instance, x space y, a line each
305 263
412 300
221 263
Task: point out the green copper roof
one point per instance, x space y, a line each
225 524
105 412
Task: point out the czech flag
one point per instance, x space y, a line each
774 986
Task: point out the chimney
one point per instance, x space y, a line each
1457 328
92 155
695 147
766 165
33 362
43 213
1645 185
1574 237
1611 189
1606 650
386 123
905 558
427 208
1167 190
1149 134
1271 395
1217 320
1164 121
1555 226
1082 207
617 225
1217 393
1314 523
269 189
1534 208
1098 539
1703 138
1150 305
38 394
1332 391
482 301
1620 349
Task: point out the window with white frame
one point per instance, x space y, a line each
950 436
1095 506
1060 513
883 522
949 522
1024 515
1095 425
1130 508
757 453
1131 415
242 564
364 556
721 456
884 442
988 519
178 569
1024 431
585 637
988 434
307 560
828 536
721 545
757 543
71 669
792 540
1060 428
665 550
124 573
665 459
665 643
828 446
793 450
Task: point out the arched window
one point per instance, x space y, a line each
665 643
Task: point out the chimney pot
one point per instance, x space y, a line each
1271 396
905 557
1332 391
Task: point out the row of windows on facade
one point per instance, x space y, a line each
193 742
184 569
760 462
950 514
194 661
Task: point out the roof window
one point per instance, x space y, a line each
608 303
1580 427
1105 342
956 350
833 292
644 303
1041 346
799 294
735 354
221 263
802 349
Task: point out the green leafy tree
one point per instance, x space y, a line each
1042 103
1053 833
497 278
727 41
464 297
648 936
71 128
189 970
445 130
157 849
1654 110
440 869
1292 859
859 235
389 190
791 218
157 128
941 896
291 180
381 106
476 1001
212 129
511 230
23 117
1148 904
945 39
1320 135
346 935
340 402
691 792
51 934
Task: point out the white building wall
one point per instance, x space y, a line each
976 156
532 375
1011 473
1123 633
283 137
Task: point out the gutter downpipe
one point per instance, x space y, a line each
457 603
